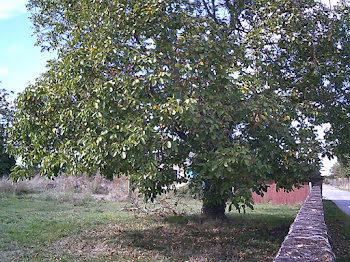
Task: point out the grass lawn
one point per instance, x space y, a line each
339 230
34 229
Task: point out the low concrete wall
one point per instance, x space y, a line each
343 182
307 239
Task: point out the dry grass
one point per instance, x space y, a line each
69 186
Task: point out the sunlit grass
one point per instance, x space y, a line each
33 229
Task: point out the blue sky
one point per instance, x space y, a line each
20 61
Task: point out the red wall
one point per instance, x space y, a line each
297 196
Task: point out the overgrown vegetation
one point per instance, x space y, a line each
339 230
37 227
77 187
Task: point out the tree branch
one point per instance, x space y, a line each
180 133
213 7
212 15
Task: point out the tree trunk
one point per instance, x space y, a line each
213 210
213 205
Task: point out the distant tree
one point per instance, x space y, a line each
6 161
231 90
341 169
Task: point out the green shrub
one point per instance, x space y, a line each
341 170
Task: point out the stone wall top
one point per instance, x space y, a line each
307 239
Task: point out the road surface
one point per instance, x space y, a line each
340 197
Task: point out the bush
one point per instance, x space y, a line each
22 187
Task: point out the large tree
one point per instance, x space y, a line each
231 90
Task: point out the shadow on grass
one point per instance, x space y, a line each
185 238
97 231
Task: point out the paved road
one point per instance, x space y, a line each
340 197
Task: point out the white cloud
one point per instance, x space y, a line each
3 71
10 8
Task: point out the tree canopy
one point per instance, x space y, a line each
229 89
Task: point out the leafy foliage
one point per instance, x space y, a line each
341 170
229 89
6 161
